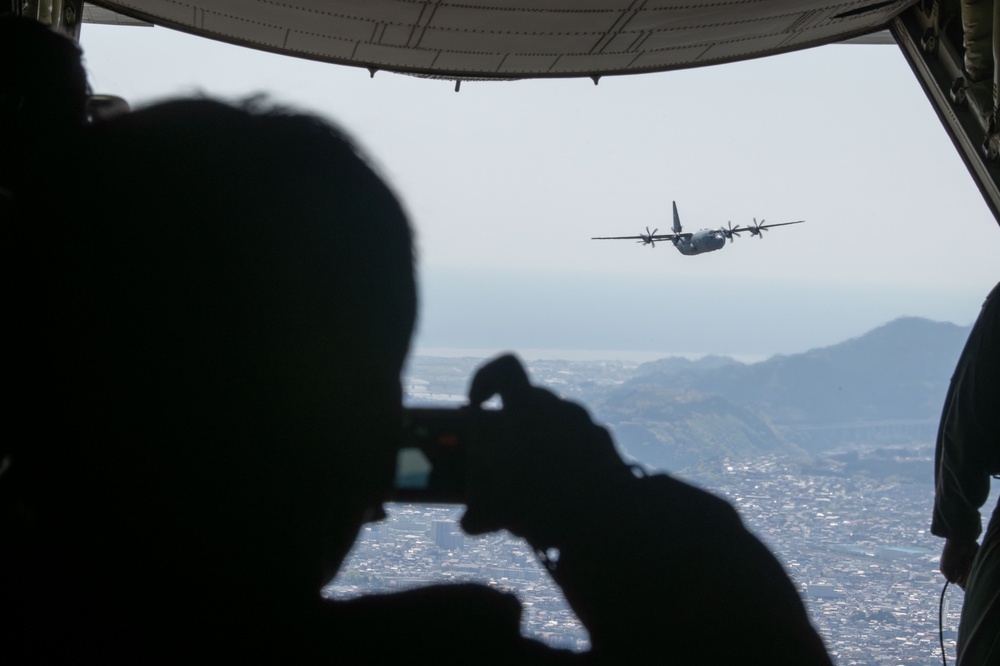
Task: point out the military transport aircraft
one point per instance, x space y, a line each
701 241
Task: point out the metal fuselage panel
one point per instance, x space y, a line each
705 240
456 39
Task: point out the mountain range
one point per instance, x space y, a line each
885 387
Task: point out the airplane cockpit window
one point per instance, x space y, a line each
806 390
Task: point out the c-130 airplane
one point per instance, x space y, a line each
701 241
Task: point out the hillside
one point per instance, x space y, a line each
886 386
669 429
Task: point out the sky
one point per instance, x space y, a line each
506 183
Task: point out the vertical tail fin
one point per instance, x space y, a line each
677 220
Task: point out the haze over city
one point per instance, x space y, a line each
827 455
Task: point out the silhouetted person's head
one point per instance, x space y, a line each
43 91
218 319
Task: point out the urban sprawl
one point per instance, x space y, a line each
858 549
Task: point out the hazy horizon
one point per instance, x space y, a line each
570 312
507 182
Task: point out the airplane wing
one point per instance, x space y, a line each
753 228
780 224
656 237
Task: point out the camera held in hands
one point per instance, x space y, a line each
431 461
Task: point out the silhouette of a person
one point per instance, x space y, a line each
211 326
209 380
967 454
43 98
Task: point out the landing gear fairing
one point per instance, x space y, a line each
701 241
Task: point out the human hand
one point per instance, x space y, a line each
956 560
537 476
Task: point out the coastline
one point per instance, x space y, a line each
578 355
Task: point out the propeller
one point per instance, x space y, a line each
757 229
729 232
647 238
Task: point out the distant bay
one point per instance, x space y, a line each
577 355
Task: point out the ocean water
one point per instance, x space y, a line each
572 354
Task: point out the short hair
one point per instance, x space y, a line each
240 186
214 273
42 81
